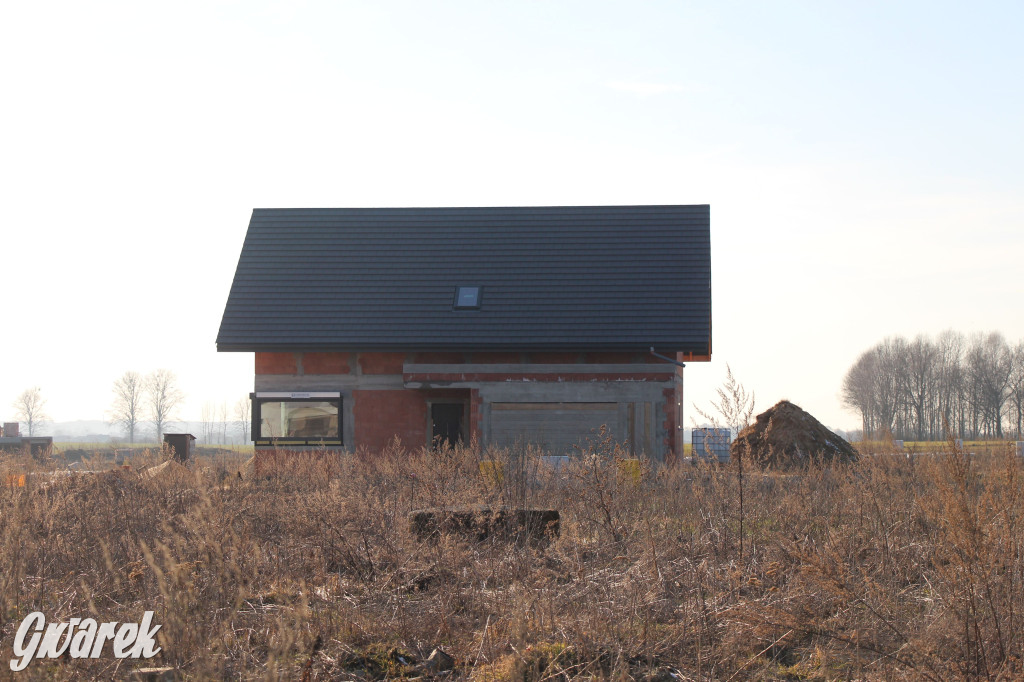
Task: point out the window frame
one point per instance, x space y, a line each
458 291
260 398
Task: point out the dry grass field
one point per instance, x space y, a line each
890 568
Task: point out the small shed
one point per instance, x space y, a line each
38 446
182 445
11 441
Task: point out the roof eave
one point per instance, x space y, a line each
700 350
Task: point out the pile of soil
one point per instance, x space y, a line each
786 436
171 469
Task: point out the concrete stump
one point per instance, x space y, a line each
480 523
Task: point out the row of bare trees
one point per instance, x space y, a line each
215 424
152 398
968 386
146 399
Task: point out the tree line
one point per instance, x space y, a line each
214 422
145 399
154 399
970 387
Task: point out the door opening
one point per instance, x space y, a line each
446 421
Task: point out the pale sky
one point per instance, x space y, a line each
864 163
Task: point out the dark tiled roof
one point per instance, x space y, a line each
601 277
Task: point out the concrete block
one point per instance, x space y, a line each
480 523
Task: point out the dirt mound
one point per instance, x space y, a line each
786 436
171 469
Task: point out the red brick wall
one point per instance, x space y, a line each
276 363
615 358
554 358
391 363
381 363
325 363
379 416
622 358
496 358
439 358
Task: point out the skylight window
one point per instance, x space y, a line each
467 298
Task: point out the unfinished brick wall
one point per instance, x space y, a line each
439 358
326 363
379 416
555 358
381 409
277 363
302 363
381 363
495 358
615 358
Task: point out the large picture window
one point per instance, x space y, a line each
296 418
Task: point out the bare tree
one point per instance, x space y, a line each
222 422
995 377
207 418
734 407
892 357
214 422
950 388
859 389
243 412
129 393
30 408
163 397
919 380
1017 387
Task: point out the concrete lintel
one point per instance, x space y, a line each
421 383
327 382
553 391
538 368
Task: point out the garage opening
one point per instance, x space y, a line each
554 427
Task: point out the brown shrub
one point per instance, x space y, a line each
891 567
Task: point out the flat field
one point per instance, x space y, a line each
890 568
989 447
